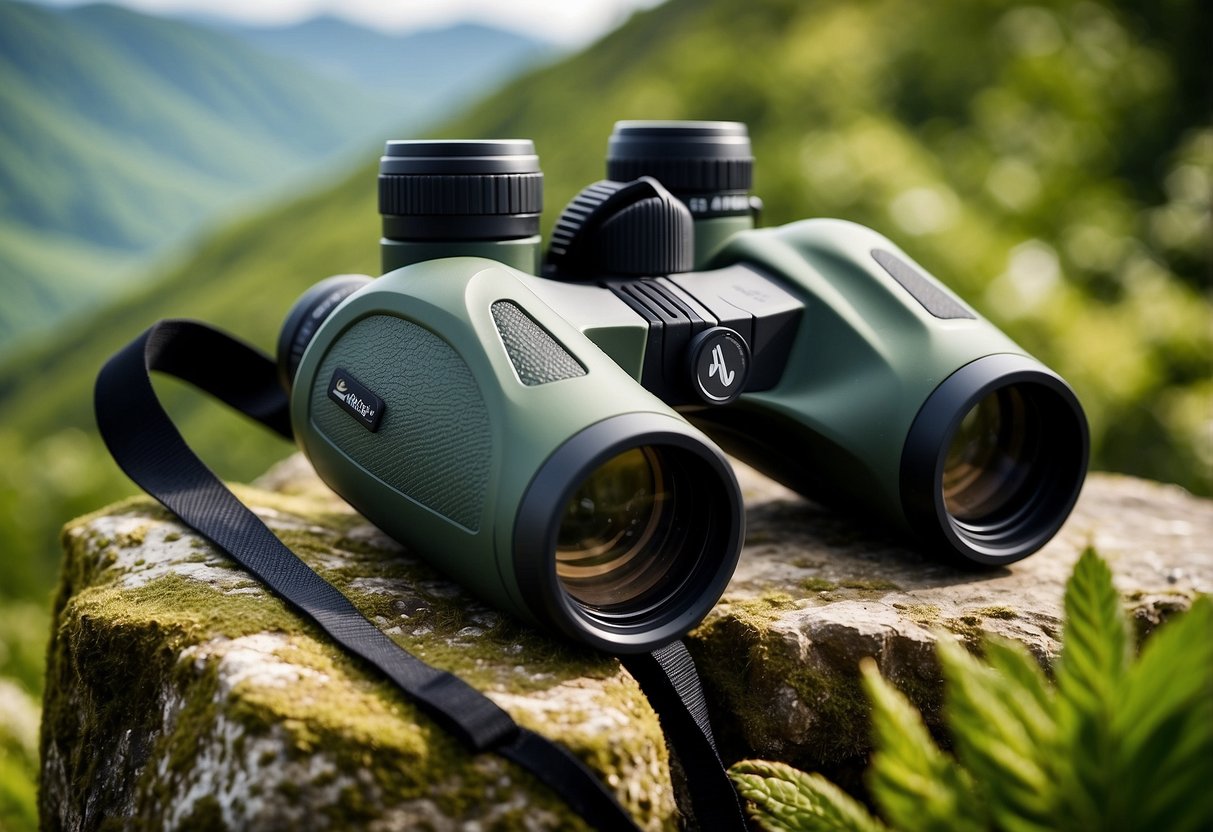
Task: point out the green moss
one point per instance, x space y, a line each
95 675
817 585
861 585
760 611
753 672
968 627
207 816
131 539
430 622
925 614
1003 613
870 584
749 670
119 648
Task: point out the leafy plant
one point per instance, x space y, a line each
18 758
1115 743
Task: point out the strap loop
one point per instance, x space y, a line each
669 679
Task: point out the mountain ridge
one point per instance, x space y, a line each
124 134
426 71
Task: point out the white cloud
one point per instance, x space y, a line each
569 22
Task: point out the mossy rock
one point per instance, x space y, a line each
181 695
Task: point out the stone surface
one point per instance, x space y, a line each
180 695
817 591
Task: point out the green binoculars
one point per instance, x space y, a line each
548 428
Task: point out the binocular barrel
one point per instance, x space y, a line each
463 417
460 198
551 441
901 401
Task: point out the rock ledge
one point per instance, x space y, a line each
180 695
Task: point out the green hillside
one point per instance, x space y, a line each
122 132
1002 176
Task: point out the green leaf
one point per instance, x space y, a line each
1095 638
1094 657
1163 725
784 799
917 786
1036 706
1003 729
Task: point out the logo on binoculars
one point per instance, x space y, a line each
718 367
356 399
721 364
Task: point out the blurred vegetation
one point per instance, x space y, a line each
23 633
1052 162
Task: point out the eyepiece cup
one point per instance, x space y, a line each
420 157
453 190
688 157
647 564
995 460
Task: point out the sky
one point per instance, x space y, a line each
570 23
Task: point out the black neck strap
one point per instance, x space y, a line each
150 450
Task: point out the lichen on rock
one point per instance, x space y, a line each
182 695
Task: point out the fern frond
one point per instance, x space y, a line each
783 799
1002 733
1163 725
917 786
1095 639
1094 656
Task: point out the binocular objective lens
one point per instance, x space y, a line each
611 548
994 455
994 461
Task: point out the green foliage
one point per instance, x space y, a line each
921 787
784 799
1117 743
18 759
24 630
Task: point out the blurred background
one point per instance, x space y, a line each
1052 162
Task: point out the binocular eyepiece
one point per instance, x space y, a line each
460 198
547 429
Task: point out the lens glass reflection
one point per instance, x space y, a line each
611 549
991 457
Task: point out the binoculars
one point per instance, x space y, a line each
547 428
